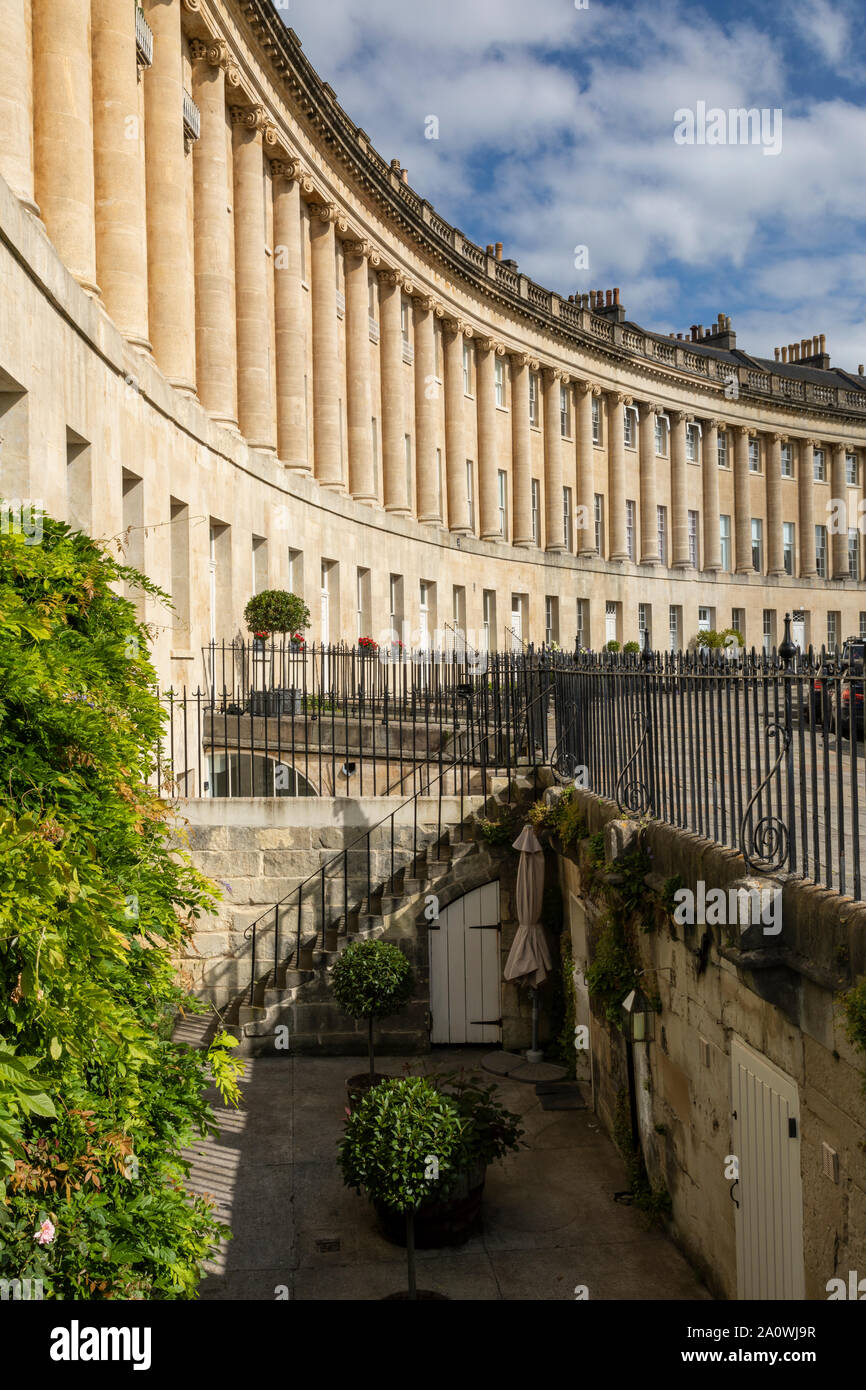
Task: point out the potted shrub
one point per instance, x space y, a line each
632 649
612 645
276 610
371 979
451 1208
401 1133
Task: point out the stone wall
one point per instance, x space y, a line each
778 995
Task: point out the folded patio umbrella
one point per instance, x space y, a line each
529 957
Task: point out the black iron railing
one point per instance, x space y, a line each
328 722
759 753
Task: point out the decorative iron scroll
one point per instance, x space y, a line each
765 848
634 797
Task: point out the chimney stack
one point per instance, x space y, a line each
592 299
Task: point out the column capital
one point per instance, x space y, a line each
679 417
458 326
329 212
743 431
389 275
587 388
840 448
552 374
646 408
778 438
620 398
713 423
217 54
491 345
428 304
255 118
363 248
811 443
523 359
294 171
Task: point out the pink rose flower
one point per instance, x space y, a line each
45 1234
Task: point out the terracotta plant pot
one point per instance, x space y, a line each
358 1085
447 1221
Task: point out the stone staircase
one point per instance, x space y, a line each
292 1010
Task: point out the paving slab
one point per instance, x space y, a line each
550 1221
538 1071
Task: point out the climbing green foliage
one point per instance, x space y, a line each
653 1200
612 973
96 1101
562 818
853 1005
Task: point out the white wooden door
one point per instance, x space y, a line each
766 1141
516 626
610 622
465 970
798 630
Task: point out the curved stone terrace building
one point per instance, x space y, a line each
235 337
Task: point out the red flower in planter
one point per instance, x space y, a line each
263 636
296 640
368 644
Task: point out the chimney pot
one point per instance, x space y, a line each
822 340
404 174
776 351
679 337
700 331
815 345
592 299
608 298
860 370
499 250
721 320
616 296
489 248
784 354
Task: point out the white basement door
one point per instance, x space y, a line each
466 969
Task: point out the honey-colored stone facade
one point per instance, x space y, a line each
234 337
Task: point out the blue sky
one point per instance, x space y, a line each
556 131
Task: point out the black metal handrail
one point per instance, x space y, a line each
319 876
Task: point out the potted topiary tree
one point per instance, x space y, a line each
451 1208
371 979
401 1138
276 610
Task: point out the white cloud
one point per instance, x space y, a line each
556 129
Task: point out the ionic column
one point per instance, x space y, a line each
679 496
521 449
215 331
742 505
839 492
358 406
118 163
455 427
616 403
710 471
16 100
428 502
554 537
649 531
171 286
585 471
326 360
255 402
394 480
806 507
63 130
488 498
289 318
775 549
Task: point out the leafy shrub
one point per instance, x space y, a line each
389 1141
632 648
275 610
97 1102
612 974
562 818
372 979
612 645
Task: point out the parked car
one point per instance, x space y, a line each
852 669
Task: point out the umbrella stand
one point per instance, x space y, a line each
534 1054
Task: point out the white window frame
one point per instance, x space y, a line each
535 495
821 551
630 513
725 541
499 382
789 536
819 466
787 464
